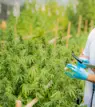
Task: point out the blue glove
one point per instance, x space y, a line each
79 65
78 73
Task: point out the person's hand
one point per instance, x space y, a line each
84 60
78 73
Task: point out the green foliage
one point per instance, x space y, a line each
33 68
34 21
86 9
72 16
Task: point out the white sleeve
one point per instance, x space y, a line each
90 39
92 53
86 49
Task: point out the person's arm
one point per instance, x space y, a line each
89 52
81 73
91 78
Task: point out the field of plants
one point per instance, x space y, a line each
33 55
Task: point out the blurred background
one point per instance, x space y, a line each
37 38
7 5
69 10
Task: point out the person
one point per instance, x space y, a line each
82 74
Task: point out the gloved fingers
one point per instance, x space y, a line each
86 61
72 67
69 74
79 65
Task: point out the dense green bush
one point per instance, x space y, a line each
33 68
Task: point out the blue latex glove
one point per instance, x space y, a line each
78 73
79 65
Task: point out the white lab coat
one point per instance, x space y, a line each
90 52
